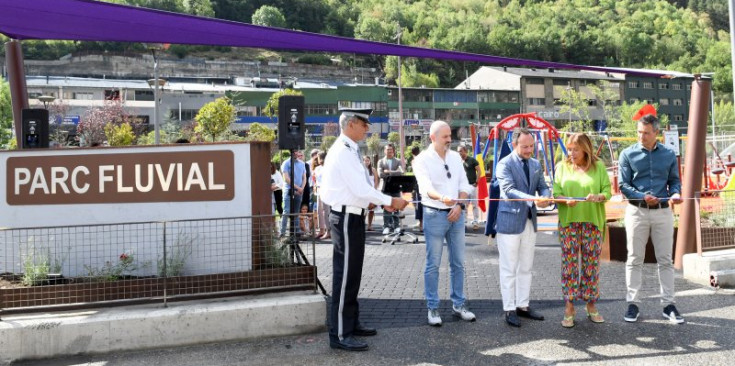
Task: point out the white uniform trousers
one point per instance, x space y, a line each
516 261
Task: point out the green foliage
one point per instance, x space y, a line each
394 138
214 118
269 16
124 265
327 143
314 59
119 134
36 268
271 107
6 115
259 132
280 157
373 144
176 256
199 7
724 117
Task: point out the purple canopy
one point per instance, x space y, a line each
86 20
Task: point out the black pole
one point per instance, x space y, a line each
292 231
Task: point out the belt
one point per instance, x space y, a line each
341 209
439 209
643 204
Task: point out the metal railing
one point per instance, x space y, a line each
82 266
715 220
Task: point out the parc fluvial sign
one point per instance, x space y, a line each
120 178
110 185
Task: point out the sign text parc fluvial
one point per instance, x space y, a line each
121 178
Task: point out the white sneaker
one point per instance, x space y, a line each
434 318
386 231
463 313
397 230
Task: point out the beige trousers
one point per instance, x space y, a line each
640 223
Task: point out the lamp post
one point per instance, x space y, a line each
156 83
46 100
402 139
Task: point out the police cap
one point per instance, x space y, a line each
361 113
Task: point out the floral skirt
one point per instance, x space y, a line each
581 243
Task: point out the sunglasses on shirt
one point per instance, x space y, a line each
449 175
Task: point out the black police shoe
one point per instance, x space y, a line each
363 331
529 313
348 344
512 319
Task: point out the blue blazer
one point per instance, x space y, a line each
512 215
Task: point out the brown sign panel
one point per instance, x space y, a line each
121 178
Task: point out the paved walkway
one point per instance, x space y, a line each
392 300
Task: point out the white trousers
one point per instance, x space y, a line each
516 261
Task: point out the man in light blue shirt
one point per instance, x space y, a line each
649 179
299 183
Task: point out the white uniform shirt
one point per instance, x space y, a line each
344 178
432 176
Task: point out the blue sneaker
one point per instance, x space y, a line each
631 315
672 314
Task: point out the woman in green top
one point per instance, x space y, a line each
582 185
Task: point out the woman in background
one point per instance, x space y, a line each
582 184
322 210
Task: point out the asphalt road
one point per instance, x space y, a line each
392 300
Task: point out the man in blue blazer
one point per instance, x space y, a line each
520 177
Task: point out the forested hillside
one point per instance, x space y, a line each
690 36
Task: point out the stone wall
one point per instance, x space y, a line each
141 67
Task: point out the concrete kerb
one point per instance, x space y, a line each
33 336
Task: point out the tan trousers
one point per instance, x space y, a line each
640 223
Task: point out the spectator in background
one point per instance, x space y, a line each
389 166
306 197
299 172
372 177
277 188
581 225
322 210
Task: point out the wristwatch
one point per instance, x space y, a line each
462 206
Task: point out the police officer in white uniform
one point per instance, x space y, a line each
347 190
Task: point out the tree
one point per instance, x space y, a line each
574 103
259 132
215 117
271 107
119 134
91 128
269 16
199 7
373 144
394 138
724 117
6 114
327 142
